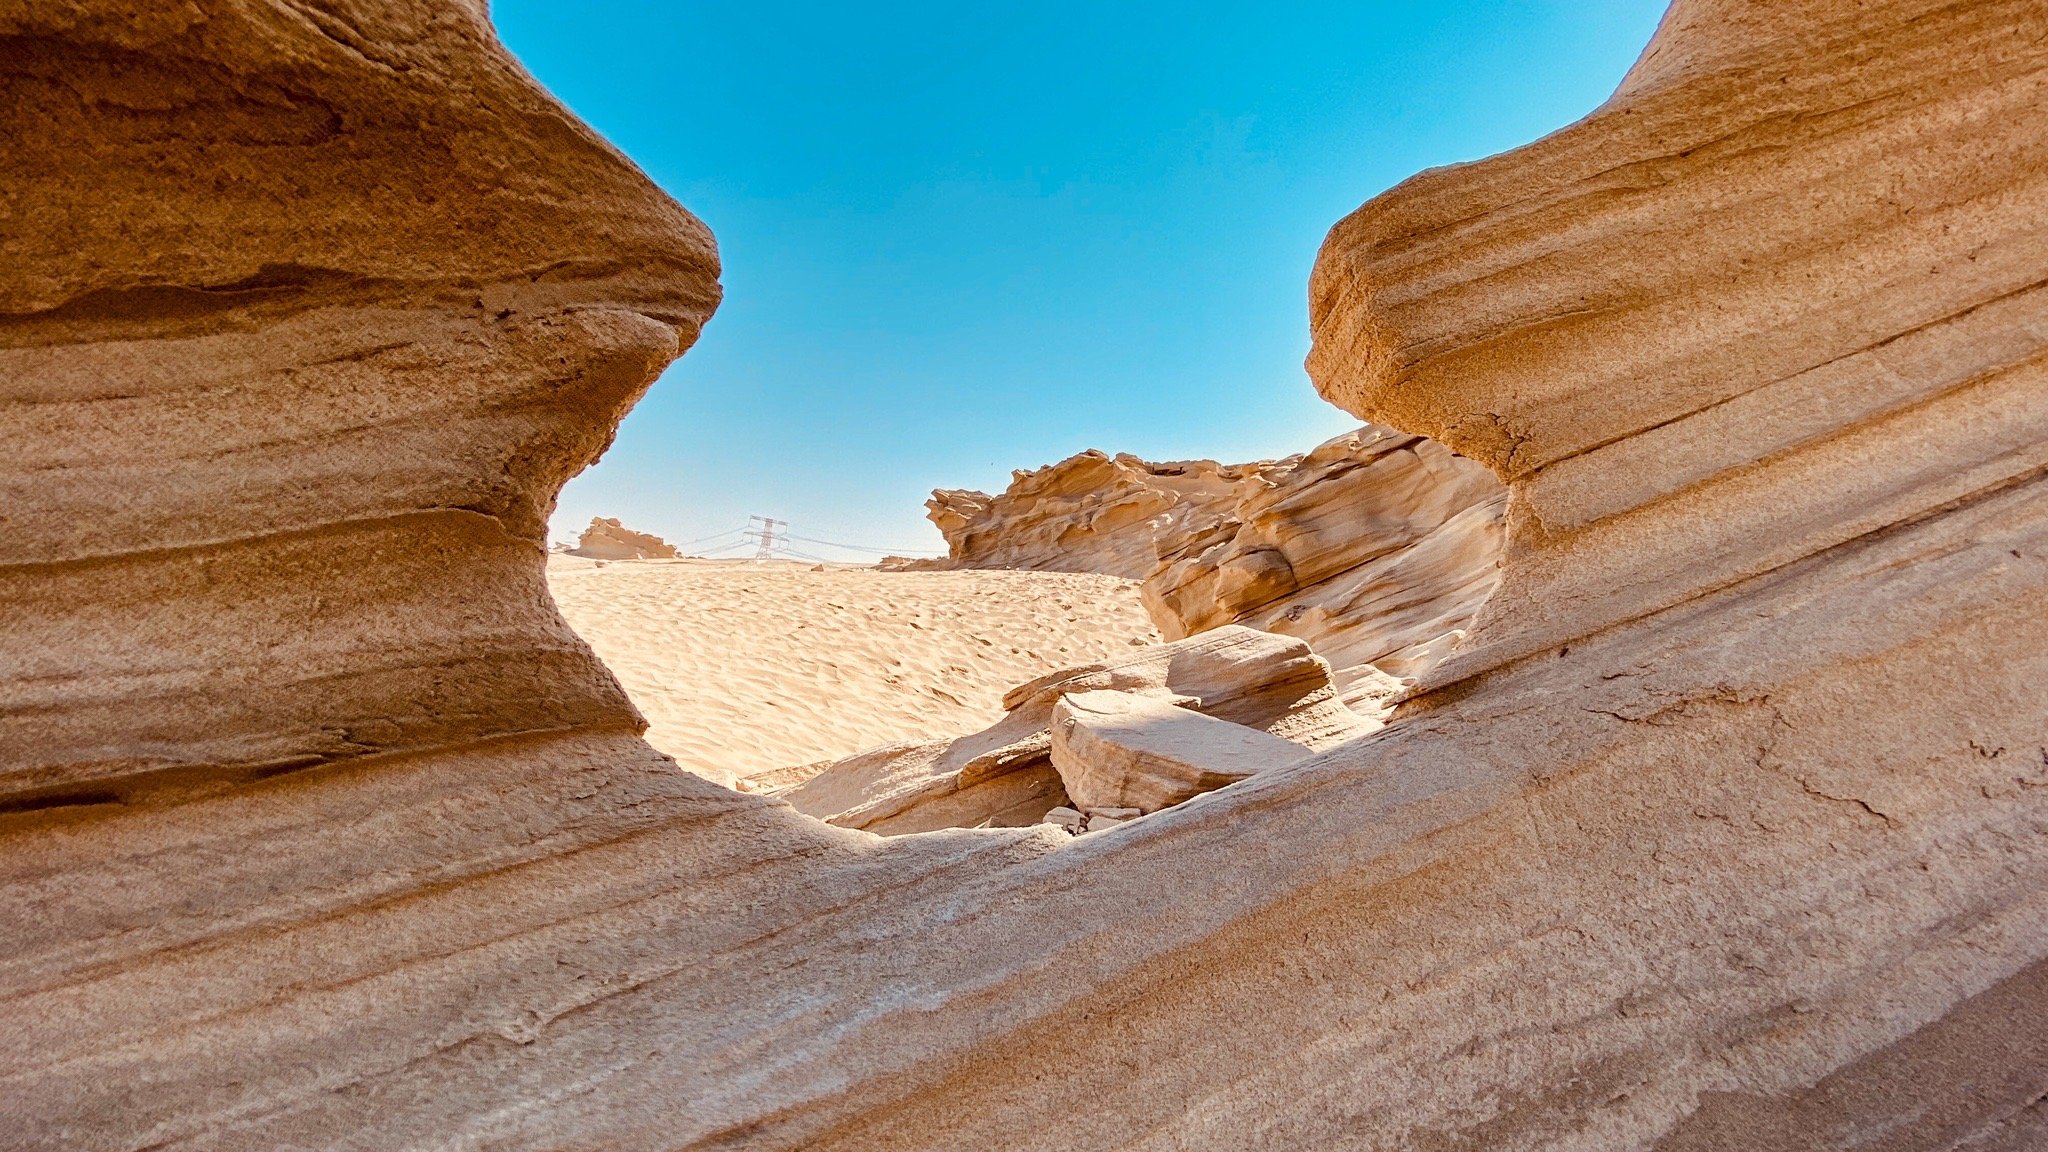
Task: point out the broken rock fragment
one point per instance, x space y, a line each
1120 750
1003 775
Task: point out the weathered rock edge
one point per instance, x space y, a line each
607 539
1751 855
307 313
1376 547
1004 776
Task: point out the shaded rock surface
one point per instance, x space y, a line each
1377 548
1120 750
1005 776
607 539
1726 828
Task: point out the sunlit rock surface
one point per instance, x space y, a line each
1377 548
607 539
1091 512
1008 776
1726 828
1124 751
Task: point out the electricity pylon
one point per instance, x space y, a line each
766 535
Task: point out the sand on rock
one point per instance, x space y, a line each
744 668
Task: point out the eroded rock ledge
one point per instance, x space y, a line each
307 313
1725 830
1377 548
607 539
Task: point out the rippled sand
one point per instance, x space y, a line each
744 668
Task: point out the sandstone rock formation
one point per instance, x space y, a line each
1378 548
300 336
607 539
1727 828
1088 513
1118 751
1005 776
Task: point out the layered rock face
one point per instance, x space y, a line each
299 335
1126 753
607 539
1091 512
1725 829
1377 548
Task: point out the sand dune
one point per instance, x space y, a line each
745 668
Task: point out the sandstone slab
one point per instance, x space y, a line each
1005 775
1118 750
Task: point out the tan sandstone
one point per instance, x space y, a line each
1121 754
607 539
1377 548
1091 512
1006 775
1727 827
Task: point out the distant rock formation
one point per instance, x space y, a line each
1377 548
607 539
1091 512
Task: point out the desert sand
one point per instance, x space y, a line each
745 668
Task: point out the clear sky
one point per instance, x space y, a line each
964 238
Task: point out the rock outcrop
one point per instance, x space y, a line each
1118 751
1378 548
1007 776
607 539
301 333
1727 827
1091 512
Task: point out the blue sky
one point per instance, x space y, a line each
965 238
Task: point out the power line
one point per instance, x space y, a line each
748 543
854 547
765 535
713 536
770 537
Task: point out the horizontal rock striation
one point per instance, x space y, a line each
1725 828
607 539
1850 338
1378 548
306 333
